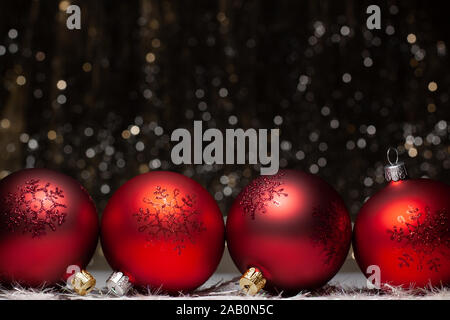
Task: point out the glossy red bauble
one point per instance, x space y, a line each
404 229
292 226
163 230
48 222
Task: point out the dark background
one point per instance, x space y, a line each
137 70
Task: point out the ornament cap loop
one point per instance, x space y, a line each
118 283
252 281
83 282
389 158
395 171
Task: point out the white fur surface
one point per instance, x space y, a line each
225 287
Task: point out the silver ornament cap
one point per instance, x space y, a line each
118 283
394 171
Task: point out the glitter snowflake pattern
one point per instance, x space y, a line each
330 229
170 217
261 192
424 234
34 208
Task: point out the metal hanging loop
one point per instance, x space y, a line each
388 153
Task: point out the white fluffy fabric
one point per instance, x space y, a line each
225 287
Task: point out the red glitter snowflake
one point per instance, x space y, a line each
425 234
34 207
260 193
170 217
329 229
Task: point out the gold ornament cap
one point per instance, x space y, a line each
118 283
83 282
395 171
252 281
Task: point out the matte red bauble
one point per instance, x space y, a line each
404 229
290 229
163 230
47 223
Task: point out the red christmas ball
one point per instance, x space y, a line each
48 222
293 227
163 230
404 229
